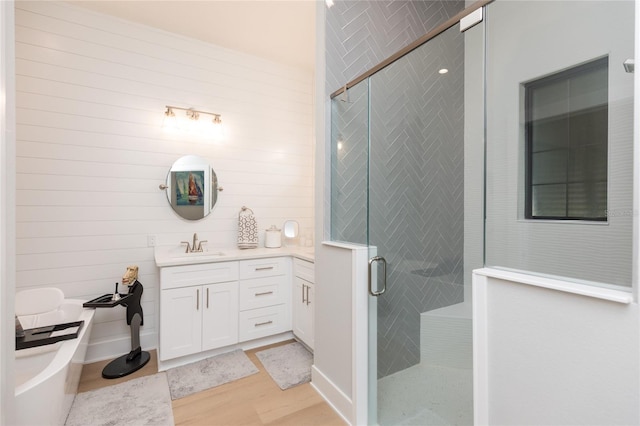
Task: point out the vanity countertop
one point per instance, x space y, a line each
174 255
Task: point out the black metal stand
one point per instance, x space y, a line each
137 358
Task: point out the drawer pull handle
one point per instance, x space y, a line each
265 268
264 293
263 323
308 301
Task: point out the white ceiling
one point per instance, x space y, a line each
283 31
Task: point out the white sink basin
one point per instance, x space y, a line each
180 252
165 255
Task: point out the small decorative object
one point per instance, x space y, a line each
247 229
272 237
130 276
116 295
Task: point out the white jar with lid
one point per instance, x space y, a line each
272 237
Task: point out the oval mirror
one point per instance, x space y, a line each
192 187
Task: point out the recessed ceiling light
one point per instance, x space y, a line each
443 71
329 3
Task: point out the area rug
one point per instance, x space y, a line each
288 365
141 401
208 373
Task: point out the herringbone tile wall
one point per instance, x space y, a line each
361 33
416 217
416 159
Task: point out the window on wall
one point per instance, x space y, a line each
566 144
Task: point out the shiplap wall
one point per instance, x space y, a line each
91 151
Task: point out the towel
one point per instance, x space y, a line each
247 229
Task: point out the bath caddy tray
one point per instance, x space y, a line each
48 335
105 301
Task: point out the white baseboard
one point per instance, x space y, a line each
113 348
251 344
340 402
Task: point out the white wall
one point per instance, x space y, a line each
549 357
7 211
91 152
340 371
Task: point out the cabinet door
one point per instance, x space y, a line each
219 315
311 300
180 322
302 320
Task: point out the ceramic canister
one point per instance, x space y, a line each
272 237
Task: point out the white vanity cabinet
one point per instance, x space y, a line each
231 299
198 308
303 301
265 297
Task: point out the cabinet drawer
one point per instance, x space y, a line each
262 292
256 268
304 269
263 322
190 275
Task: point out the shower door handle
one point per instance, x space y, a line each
373 260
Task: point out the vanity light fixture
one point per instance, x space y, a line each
192 114
193 123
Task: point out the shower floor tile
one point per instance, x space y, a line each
426 395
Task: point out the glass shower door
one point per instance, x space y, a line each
400 153
420 325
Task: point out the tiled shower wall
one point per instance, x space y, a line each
416 189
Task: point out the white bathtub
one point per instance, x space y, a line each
47 376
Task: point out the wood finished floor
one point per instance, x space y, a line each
253 400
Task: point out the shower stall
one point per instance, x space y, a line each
399 161
417 153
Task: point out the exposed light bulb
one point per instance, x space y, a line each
218 132
170 122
